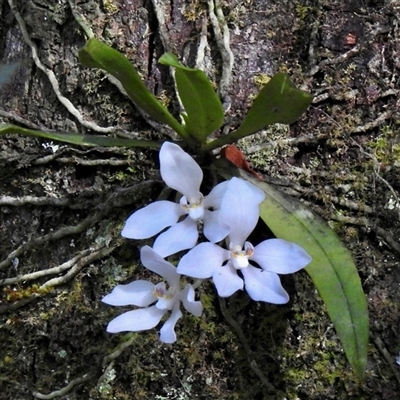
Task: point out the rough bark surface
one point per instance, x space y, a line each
65 209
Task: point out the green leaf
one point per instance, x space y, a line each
97 54
332 268
279 101
204 111
76 139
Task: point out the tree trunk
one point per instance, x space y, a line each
62 207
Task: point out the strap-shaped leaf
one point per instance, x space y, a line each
204 111
76 139
97 54
279 101
332 268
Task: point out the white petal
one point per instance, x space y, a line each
179 171
137 293
154 262
280 256
240 210
150 220
214 228
202 260
258 194
214 198
190 304
167 332
136 320
264 286
227 281
179 237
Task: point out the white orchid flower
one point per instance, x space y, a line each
167 296
240 209
181 173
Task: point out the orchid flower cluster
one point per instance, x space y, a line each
227 215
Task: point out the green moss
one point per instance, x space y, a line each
123 175
163 98
13 294
261 80
297 375
193 11
110 6
385 148
302 11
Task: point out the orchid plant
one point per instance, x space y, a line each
235 214
213 228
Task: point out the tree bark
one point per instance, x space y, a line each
62 208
